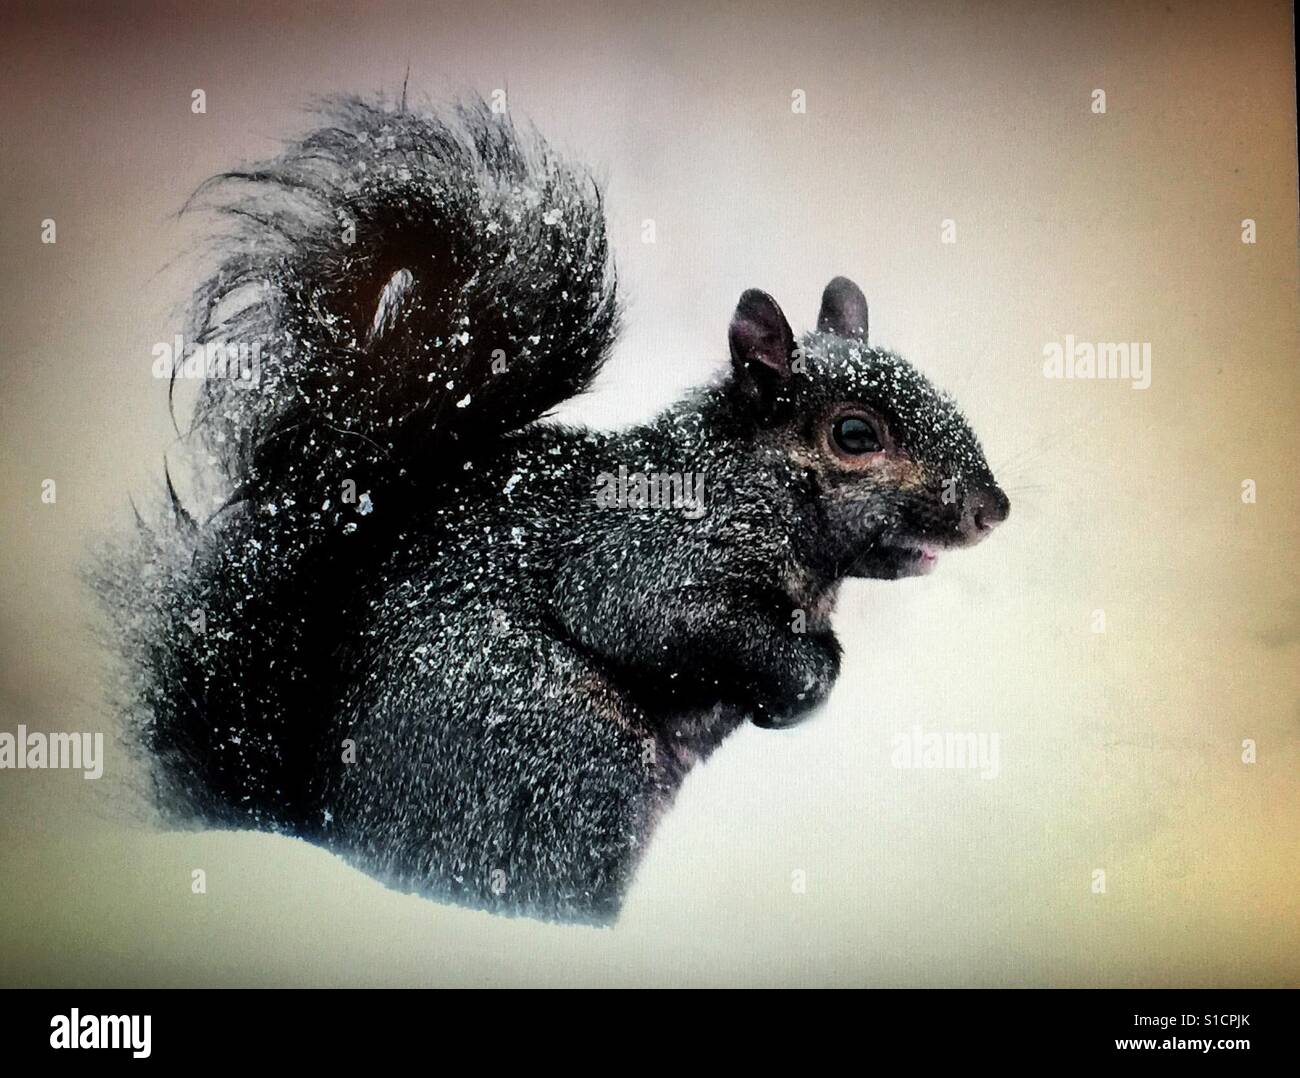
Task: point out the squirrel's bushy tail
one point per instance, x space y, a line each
396 289
412 280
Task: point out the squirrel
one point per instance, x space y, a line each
471 650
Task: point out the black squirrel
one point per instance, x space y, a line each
472 651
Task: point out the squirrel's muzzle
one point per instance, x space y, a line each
983 510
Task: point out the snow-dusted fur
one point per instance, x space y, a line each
414 632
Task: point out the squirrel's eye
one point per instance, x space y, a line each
854 435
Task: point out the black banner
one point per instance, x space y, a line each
303 1027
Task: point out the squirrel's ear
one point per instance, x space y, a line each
844 310
761 341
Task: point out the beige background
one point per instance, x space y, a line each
1119 751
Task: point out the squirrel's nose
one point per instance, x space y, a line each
983 511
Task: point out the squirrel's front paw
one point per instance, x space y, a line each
804 681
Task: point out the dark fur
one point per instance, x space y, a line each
525 676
